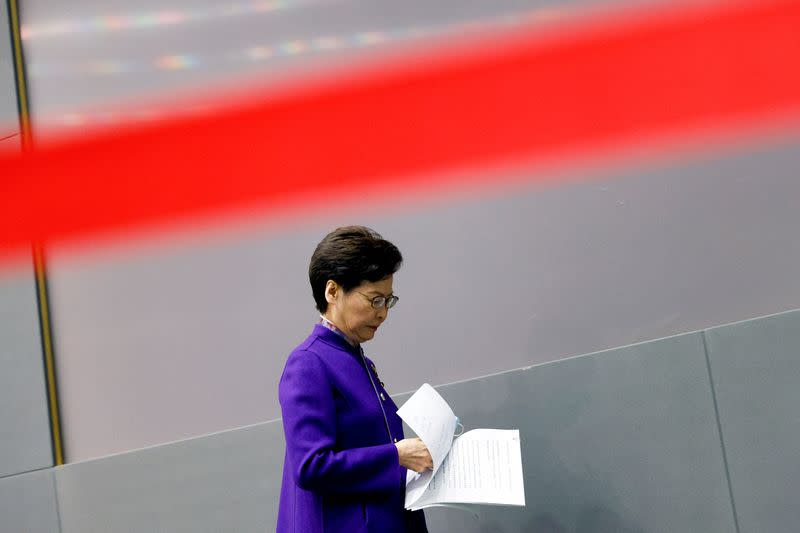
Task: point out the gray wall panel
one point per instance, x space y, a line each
228 481
28 503
9 120
621 441
756 371
24 423
536 273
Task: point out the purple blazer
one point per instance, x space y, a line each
341 472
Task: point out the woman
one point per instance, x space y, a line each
346 458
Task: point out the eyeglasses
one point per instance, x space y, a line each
381 301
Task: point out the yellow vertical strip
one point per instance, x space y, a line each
49 359
38 250
19 71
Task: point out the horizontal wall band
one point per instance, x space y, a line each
409 124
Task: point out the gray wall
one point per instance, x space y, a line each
9 120
28 503
661 436
222 482
24 423
164 341
170 340
618 256
622 441
756 371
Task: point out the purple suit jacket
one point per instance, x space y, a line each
341 472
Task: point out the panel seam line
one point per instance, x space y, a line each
719 429
24 472
57 501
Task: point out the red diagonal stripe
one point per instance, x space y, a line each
599 82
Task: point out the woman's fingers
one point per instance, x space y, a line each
414 455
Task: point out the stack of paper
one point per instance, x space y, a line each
481 466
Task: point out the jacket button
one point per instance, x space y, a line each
395 440
383 397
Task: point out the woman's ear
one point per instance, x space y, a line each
332 291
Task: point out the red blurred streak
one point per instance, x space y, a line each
412 123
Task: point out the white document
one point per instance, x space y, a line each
482 466
429 416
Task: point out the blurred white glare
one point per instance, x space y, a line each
150 19
106 62
261 52
251 54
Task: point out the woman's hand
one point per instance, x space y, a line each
414 455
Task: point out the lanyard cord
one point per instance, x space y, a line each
377 394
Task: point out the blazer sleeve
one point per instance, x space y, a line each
309 423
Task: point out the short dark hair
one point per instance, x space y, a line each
349 256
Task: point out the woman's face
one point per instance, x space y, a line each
352 311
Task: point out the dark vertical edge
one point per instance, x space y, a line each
23 103
719 430
48 351
23 106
